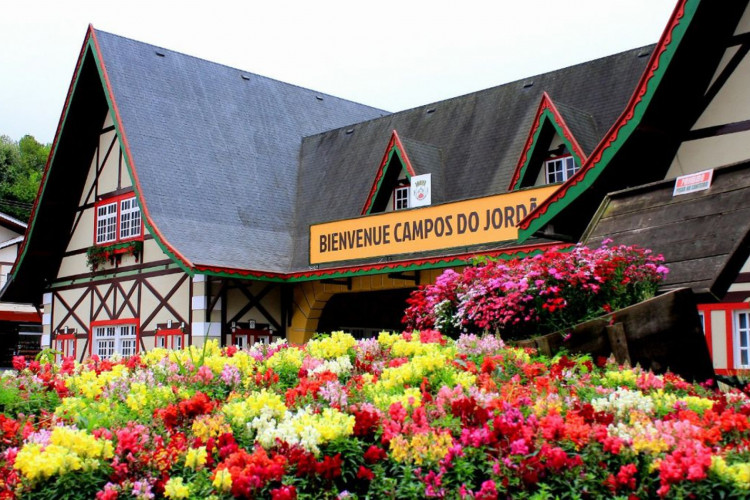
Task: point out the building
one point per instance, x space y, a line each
186 200
675 168
20 324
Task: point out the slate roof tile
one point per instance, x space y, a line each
234 167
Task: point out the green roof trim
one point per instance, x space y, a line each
628 122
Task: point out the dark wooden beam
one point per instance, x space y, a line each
731 66
253 301
717 130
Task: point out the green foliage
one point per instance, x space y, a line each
13 401
97 255
76 485
21 168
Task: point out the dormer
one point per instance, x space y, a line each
552 154
403 159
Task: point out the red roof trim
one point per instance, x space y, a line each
624 118
394 142
126 146
320 273
25 317
545 104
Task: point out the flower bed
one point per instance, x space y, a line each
545 293
400 416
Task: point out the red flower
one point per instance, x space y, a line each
330 467
286 492
374 454
19 363
365 473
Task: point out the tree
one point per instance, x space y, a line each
21 167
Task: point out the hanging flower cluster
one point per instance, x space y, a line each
412 415
536 295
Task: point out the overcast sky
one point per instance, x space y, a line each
391 54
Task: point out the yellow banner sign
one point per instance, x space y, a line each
471 222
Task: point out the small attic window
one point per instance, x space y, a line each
644 53
320 98
159 53
528 84
349 131
401 198
245 77
560 169
431 110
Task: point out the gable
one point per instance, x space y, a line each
395 165
548 130
641 145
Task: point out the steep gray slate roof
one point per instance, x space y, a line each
216 150
480 137
704 236
582 125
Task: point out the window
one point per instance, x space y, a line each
401 198
106 223
240 340
246 337
114 339
130 219
742 339
65 344
118 220
560 169
170 339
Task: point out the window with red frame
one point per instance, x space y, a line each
65 344
742 339
115 337
173 338
244 338
118 219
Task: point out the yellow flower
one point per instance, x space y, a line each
222 480
207 426
288 356
145 398
619 378
428 447
196 458
257 402
333 346
386 339
738 473
68 450
330 424
175 489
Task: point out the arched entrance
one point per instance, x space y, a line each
364 314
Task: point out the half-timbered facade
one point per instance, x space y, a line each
185 200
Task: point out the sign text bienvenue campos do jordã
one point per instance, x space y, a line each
463 223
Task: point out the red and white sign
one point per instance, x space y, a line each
420 190
699 181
